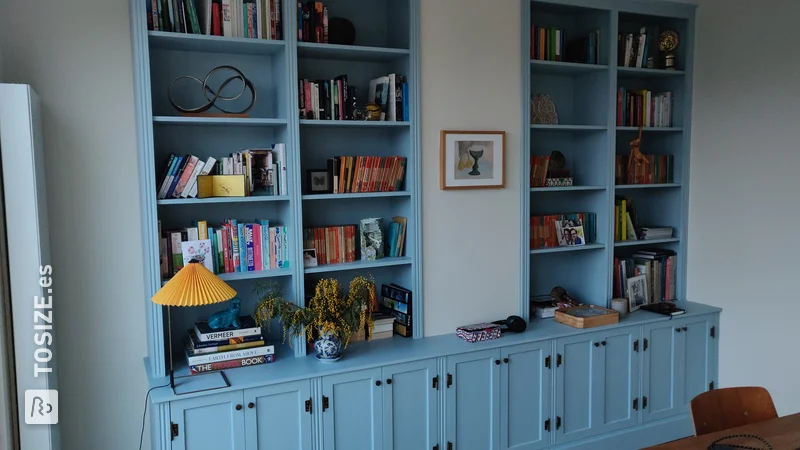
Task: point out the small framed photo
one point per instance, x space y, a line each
472 159
309 257
637 292
570 233
318 181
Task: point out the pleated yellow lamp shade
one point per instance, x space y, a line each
194 285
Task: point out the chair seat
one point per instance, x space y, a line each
732 407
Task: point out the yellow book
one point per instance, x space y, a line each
202 229
220 186
624 221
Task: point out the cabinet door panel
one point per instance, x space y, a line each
209 422
473 401
620 379
525 393
353 417
410 406
696 359
278 418
659 377
577 386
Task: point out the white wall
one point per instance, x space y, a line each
743 240
77 56
471 77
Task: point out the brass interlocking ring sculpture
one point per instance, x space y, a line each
212 96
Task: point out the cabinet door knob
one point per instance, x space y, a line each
505 360
251 405
497 361
388 381
684 328
678 329
597 344
378 383
238 407
604 343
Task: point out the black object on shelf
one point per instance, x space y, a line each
514 324
341 31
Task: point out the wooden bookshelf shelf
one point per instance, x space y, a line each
213 44
569 127
577 248
564 68
648 73
349 52
652 129
356 195
567 188
647 186
355 123
204 201
218 121
261 274
645 242
360 265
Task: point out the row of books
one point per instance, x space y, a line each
654 169
644 108
351 174
544 233
209 350
550 44
231 247
312 22
349 243
256 19
659 268
634 49
627 227
333 99
265 172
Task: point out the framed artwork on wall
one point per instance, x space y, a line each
472 159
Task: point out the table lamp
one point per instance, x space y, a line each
193 285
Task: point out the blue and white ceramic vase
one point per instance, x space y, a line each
328 347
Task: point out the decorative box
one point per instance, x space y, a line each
479 332
557 182
220 186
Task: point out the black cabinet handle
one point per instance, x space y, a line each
251 405
678 329
238 407
604 343
684 329
505 360
378 383
497 361
388 381
597 344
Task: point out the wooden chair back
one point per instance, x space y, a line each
732 407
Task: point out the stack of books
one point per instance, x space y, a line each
382 326
208 350
655 232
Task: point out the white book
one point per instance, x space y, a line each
280 153
208 166
229 355
392 114
192 179
227 19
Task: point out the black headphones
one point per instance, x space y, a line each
514 323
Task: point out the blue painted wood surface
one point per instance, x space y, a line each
353 418
525 396
210 422
578 387
620 375
278 418
410 405
473 400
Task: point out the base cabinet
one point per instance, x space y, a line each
352 410
209 422
278 417
572 390
411 405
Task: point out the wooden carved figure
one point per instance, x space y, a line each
636 157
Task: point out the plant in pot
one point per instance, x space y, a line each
329 319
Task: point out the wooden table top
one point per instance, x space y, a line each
782 433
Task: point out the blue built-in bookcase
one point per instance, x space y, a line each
386 41
587 133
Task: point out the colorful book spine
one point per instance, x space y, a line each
244 362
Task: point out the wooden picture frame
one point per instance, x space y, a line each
637 292
318 181
472 159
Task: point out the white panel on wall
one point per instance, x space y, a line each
471 80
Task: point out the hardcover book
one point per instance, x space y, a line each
199 250
247 327
371 239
